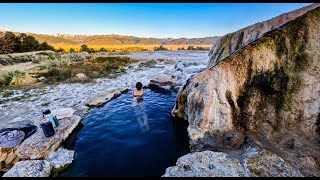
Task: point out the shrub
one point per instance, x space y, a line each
76 57
83 48
124 52
60 50
57 63
103 49
8 76
161 48
148 63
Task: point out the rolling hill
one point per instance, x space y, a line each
67 39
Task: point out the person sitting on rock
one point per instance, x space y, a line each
138 93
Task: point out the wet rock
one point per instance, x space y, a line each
39 146
30 168
206 164
105 97
60 159
161 83
160 89
162 80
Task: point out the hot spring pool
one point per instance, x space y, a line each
126 138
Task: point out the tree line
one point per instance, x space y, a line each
162 48
10 43
195 48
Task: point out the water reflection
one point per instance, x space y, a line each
140 112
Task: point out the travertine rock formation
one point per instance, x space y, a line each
230 43
269 90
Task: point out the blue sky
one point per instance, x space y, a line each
159 20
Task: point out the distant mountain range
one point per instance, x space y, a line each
68 39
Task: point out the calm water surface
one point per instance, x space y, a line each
126 138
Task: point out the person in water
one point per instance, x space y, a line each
138 93
141 115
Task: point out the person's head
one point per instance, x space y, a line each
139 85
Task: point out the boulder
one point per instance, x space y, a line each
161 83
81 76
60 159
30 168
105 97
206 164
39 146
162 78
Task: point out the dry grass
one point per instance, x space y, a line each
129 47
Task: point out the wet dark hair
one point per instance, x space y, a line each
139 85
